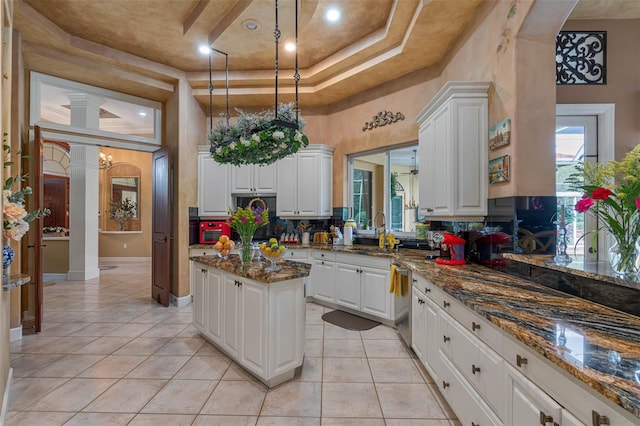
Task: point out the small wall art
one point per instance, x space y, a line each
499 169
500 134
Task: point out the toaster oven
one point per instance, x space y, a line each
210 231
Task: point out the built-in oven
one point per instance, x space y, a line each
210 231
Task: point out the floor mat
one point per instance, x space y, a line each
349 321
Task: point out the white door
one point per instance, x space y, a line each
418 325
530 406
242 180
198 275
376 299
348 285
253 322
214 305
308 187
264 179
324 280
231 300
214 197
287 190
576 142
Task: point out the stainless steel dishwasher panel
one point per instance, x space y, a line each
403 308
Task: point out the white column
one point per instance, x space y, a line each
83 188
83 208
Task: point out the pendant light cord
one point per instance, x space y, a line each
226 78
276 36
296 74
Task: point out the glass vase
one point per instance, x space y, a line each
246 249
625 258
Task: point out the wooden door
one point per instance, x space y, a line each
161 246
32 294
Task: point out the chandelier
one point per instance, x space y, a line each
105 161
261 138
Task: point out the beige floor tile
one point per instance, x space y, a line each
385 349
179 318
73 395
25 391
151 317
380 332
311 370
334 332
288 421
208 420
97 329
204 368
158 367
181 397
408 401
68 366
208 349
350 400
104 345
130 330
165 330
354 370
189 331
235 372
293 399
143 346
333 421
39 418
237 398
343 348
100 419
314 331
417 422
126 396
162 419
62 329
29 344
394 370
181 346
27 364
313 347
113 366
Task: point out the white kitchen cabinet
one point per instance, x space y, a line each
375 297
528 404
425 331
253 323
323 276
418 326
198 277
305 184
214 195
213 295
231 317
347 292
454 145
254 179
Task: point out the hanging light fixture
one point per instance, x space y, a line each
261 138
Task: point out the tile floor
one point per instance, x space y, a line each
108 355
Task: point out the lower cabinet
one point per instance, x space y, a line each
198 276
230 306
528 404
347 291
323 276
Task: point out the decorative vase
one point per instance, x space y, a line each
7 257
625 258
121 226
246 249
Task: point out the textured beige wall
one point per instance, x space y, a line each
623 79
55 256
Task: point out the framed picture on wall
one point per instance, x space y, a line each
499 169
500 134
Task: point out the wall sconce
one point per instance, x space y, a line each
105 161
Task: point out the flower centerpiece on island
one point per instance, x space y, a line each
612 195
246 221
15 216
258 138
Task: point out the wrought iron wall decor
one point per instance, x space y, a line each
581 57
382 119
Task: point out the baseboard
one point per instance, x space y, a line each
5 398
53 278
124 259
15 334
180 302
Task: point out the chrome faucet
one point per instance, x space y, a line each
384 227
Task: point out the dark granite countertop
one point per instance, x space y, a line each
256 270
15 280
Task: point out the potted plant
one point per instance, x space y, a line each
122 210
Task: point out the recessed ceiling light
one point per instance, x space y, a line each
204 49
251 24
333 15
290 47
142 114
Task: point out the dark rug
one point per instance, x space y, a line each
349 321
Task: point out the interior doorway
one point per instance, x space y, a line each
583 133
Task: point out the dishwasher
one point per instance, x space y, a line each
403 308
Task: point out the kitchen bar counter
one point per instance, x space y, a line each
256 270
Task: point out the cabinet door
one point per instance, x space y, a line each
324 280
569 419
214 197
428 162
214 304
264 179
347 289
418 325
231 329
376 299
242 180
308 184
529 404
253 324
287 186
442 172
198 277
433 338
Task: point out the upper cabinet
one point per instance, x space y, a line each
305 184
253 179
454 145
214 196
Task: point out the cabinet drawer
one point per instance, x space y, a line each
364 260
298 255
429 289
469 407
324 255
203 252
478 326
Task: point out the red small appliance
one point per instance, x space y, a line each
210 231
455 247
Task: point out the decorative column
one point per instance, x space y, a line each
83 188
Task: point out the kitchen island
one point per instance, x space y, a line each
255 317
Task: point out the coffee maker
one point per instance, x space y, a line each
488 247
